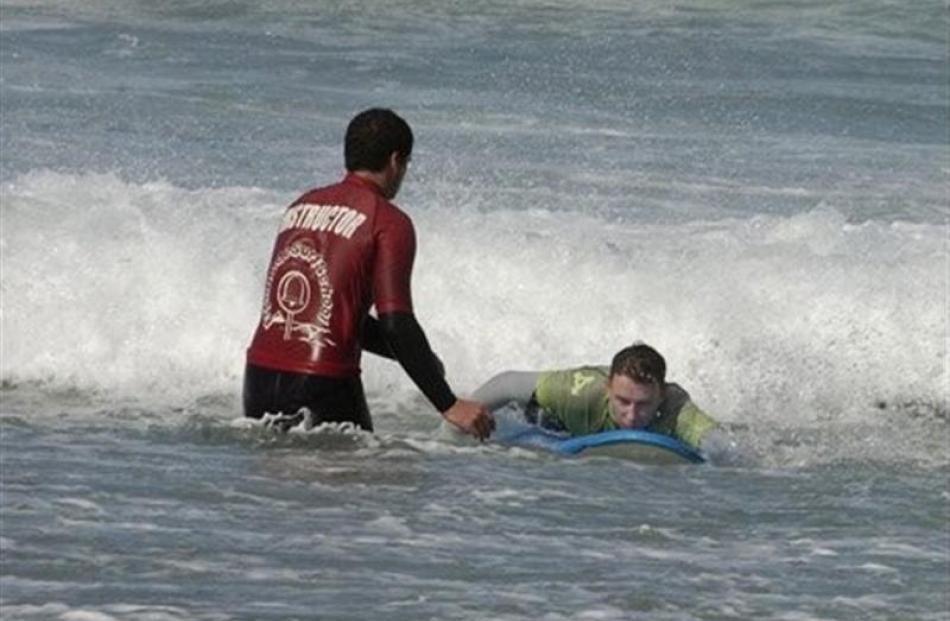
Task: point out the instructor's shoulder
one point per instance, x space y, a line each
317 195
391 215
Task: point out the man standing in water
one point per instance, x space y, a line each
340 250
631 394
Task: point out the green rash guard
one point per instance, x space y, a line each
577 399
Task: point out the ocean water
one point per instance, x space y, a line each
758 189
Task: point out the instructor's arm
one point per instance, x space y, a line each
396 249
374 341
412 350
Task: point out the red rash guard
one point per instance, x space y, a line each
340 250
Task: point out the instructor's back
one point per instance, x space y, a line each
341 250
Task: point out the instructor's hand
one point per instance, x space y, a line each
471 417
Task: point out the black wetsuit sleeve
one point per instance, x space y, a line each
411 349
374 341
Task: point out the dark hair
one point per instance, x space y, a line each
641 363
372 136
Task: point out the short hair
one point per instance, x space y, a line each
641 363
372 136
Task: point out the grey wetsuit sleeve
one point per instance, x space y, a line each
507 387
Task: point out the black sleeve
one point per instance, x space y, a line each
411 349
374 341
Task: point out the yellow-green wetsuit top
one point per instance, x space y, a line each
577 400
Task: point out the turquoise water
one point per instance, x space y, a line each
759 191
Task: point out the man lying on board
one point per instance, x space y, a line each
631 394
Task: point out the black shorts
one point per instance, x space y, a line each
330 399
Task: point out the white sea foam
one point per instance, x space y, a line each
110 612
152 290
390 525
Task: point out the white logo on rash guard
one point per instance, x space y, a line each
338 219
295 270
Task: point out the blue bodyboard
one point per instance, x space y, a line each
641 446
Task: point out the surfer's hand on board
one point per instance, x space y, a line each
471 417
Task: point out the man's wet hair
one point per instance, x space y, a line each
641 363
372 136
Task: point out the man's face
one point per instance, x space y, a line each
633 405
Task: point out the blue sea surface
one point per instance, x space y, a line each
758 189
